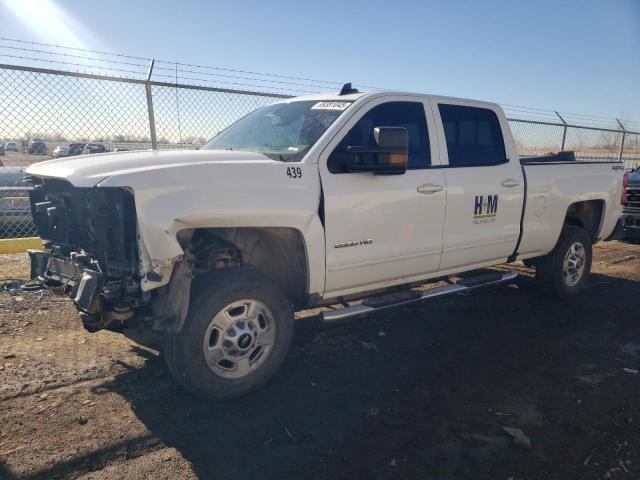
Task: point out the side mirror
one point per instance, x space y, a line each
388 157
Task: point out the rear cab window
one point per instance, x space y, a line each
473 136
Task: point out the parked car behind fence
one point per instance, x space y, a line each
91 148
37 147
79 149
15 210
59 152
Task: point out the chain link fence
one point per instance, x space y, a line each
589 143
188 118
48 113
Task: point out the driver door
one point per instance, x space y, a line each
382 230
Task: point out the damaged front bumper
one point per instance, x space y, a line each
103 307
91 250
102 302
92 254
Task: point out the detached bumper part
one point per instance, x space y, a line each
80 284
39 261
88 291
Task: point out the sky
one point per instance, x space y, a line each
580 56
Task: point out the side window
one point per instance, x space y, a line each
409 115
474 136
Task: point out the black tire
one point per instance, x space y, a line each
167 353
631 236
531 262
550 275
211 293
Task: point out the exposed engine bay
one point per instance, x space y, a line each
91 249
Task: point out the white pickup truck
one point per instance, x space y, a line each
346 199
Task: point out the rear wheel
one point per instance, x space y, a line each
564 271
235 337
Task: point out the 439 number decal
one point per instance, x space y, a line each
294 172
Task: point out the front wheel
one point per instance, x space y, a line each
564 271
235 337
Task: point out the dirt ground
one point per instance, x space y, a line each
419 393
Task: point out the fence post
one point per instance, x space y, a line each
152 121
564 131
624 133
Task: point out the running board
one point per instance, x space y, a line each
376 304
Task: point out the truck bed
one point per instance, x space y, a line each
562 158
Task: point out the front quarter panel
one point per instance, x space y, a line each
224 194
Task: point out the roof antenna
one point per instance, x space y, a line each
346 89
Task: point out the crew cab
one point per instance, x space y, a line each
351 199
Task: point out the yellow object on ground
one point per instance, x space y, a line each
18 245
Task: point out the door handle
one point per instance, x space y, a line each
510 183
428 188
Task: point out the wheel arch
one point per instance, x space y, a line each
277 252
588 215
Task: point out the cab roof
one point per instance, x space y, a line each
352 97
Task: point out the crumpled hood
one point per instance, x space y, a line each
89 170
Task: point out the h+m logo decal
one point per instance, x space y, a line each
485 209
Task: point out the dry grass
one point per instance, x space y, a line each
14 265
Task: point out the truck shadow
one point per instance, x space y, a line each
397 394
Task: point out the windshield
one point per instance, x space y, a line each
283 131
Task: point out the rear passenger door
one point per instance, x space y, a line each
485 189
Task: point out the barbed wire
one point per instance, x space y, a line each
235 76
62 62
205 81
587 120
69 55
316 83
72 48
272 82
293 87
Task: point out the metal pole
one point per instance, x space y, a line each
624 132
152 121
564 131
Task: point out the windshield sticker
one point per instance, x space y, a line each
331 106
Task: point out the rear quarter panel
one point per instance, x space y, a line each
552 188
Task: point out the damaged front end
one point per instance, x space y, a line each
91 250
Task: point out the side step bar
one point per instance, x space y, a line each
376 304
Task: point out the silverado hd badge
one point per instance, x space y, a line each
355 243
485 209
